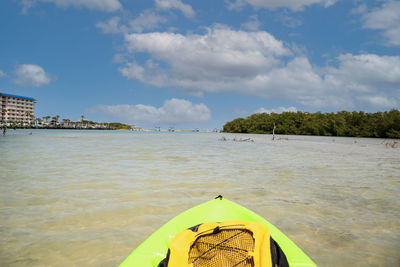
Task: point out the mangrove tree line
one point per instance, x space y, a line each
343 123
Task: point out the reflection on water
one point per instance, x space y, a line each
90 197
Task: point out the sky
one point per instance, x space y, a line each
198 64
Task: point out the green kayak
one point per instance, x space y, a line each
154 249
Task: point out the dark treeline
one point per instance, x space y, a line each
343 123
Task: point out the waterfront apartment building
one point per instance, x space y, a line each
14 108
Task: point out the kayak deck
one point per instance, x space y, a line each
154 248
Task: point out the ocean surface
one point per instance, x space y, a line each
88 198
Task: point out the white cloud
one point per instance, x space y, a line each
119 58
253 24
255 63
288 20
276 110
31 75
378 102
209 62
357 81
151 73
145 21
2 74
186 9
111 26
366 72
294 5
361 9
174 111
103 5
387 19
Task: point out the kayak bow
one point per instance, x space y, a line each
154 249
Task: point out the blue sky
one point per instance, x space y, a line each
199 64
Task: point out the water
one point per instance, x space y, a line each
88 198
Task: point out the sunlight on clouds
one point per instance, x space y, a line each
174 111
31 75
255 63
220 53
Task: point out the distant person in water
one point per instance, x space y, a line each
4 130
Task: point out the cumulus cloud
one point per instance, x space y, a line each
377 101
111 26
294 5
288 19
150 73
220 60
255 63
253 24
366 72
361 9
386 19
145 21
174 111
31 75
209 62
276 110
103 5
186 9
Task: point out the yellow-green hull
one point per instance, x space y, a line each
154 248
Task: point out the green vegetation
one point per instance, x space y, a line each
54 123
343 123
82 124
119 126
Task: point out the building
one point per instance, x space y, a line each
14 108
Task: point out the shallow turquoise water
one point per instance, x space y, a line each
90 197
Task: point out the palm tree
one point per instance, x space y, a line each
55 119
46 118
28 116
3 113
82 117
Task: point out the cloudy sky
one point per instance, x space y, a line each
199 64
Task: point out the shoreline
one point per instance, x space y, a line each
59 128
111 129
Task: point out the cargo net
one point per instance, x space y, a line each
225 248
